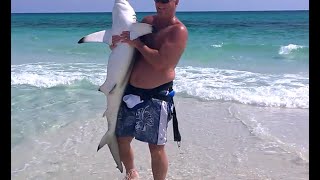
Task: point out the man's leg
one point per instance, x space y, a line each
126 154
159 161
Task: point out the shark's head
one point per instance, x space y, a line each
121 1
124 7
124 3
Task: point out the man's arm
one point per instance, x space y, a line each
169 52
117 38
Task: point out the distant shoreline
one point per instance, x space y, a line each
154 12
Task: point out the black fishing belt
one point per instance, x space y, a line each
160 93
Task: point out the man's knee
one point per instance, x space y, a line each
156 150
124 140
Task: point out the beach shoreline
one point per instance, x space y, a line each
219 141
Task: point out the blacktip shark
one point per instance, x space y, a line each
119 67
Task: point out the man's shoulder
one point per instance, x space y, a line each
148 19
179 29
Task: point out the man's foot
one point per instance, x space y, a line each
132 174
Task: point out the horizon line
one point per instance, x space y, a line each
155 11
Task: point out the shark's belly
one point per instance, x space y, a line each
113 104
119 62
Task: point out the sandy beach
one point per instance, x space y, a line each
217 143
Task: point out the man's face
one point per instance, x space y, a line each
165 7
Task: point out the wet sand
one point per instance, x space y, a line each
217 143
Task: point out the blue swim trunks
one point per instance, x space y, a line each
146 120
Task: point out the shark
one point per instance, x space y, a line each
119 67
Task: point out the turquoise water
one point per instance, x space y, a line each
245 40
254 58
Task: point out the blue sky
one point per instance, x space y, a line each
25 6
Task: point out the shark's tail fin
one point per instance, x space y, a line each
111 140
106 139
114 149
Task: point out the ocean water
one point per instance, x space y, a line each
259 60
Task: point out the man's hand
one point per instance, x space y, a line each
125 36
115 40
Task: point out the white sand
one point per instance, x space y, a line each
216 144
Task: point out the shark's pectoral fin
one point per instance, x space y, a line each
104 36
112 88
139 29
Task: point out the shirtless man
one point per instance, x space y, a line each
153 73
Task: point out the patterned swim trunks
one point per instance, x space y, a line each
147 121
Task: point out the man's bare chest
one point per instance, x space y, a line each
155 40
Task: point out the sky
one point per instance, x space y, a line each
41 6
